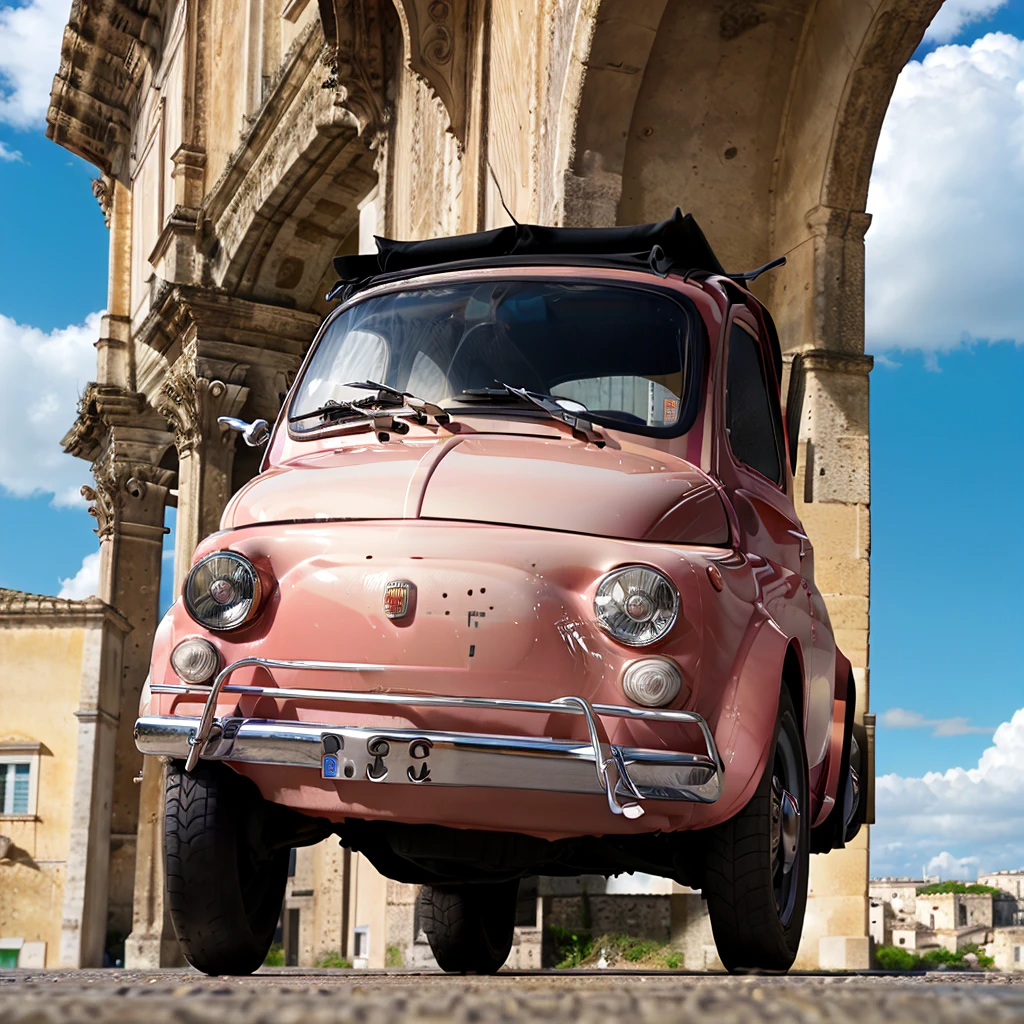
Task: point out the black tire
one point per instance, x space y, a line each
224 892
756 906
469 927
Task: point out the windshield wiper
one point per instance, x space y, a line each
582 428
380 409
331 409
388 396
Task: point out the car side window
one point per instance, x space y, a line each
748 417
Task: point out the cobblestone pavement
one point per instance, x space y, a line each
368 997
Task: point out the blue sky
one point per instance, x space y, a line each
943 319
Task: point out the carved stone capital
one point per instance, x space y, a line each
120 482
828 221
193 402
437 38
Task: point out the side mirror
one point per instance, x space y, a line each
253 434
794 406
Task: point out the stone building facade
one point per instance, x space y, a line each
902 915
243 143
65 866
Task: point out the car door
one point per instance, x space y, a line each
753 469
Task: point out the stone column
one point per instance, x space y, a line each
136 567
191 402
832 489
124 439
86 886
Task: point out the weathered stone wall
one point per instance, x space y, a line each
59 704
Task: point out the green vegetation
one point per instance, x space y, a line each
894 958
571 948
581 949
970 888
275 956
393 957
332 959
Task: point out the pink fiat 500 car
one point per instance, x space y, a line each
520 589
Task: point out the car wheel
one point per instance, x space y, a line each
224 892
756 867
469 927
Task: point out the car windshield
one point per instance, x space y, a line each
623 353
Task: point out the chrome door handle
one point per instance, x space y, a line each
803 538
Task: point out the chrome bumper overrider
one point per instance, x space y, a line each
626 775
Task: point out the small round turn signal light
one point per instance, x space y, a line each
195 660
652 682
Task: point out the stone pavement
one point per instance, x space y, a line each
296 996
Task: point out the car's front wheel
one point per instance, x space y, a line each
757 862
224 890
469 927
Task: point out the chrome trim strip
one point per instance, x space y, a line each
606 767
456 759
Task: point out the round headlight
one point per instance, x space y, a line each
653 682
195 660
222 591
637 605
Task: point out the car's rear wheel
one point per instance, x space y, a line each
757 863
469 927
224 890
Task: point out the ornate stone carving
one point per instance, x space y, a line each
437 36
192 402
103 190
104 506
106 48
352 29
119 481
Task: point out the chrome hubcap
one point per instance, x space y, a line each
785 826
787 830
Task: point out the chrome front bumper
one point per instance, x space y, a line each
625 775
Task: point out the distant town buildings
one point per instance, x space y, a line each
910 914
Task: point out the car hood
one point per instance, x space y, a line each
546 483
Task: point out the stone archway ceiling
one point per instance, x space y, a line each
106 47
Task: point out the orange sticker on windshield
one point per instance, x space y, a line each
671 410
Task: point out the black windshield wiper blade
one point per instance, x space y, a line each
389 397
582 428
330 410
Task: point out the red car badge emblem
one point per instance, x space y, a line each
397 597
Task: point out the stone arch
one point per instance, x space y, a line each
762 120
730 110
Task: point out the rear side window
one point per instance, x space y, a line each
748 417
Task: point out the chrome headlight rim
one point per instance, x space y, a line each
609 578
255 600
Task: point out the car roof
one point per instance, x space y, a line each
677 243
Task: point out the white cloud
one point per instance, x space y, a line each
947 197
950 868
43 376
29 58
85 582
900 718
955 15
10 155
967 814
